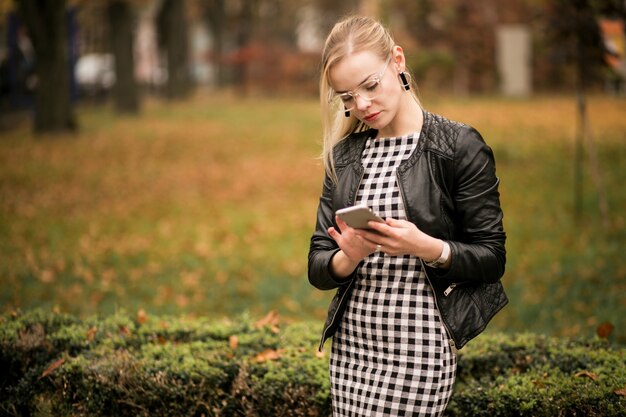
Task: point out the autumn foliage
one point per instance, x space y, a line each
207 207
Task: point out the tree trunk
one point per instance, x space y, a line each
244 33
584 54
121 25
47 28
215 16
172 29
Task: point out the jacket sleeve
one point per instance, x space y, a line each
478 250
322 247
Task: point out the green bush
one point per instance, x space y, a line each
59 365
531 375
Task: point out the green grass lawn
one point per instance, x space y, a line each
205 208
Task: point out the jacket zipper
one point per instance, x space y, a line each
448 290
332 321
451 341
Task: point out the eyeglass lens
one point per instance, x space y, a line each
368 91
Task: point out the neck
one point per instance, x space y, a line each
408 120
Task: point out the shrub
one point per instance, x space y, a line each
531 375
59 365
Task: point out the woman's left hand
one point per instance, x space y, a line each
401 237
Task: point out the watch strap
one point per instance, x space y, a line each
443 258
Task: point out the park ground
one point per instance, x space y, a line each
205 207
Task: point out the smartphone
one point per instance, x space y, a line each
358 216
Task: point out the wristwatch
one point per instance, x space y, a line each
443 258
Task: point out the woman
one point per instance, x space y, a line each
413 289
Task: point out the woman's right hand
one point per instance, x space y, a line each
354 249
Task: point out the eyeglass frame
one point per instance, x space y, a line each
353 94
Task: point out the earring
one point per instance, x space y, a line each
346 113
404 81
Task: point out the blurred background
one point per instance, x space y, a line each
126 50
162 156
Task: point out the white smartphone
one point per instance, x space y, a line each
358 216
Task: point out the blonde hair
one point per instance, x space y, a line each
351 35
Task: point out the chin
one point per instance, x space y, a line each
378 123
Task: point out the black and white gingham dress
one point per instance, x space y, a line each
390 355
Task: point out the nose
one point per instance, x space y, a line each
362 103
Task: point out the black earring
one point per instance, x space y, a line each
404 81
346 113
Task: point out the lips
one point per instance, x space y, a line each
371 117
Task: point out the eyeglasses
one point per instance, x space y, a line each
369 90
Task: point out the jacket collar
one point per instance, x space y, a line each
351 148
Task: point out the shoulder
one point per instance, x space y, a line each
349 148
447 137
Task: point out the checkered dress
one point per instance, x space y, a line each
390 355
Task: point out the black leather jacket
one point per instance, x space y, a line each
450 191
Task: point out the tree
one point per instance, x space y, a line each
122 25
242 31
233 25
214 13
172 33
46 24
574 28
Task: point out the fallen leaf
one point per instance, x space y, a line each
142 316
91 333
621 392
124 331
182 300
161 340
270 320
233 340
52 367
587 374
605 329
47 276
269 355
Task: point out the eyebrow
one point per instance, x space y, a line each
359 84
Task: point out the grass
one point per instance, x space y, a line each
205 208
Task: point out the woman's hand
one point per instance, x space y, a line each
351 242
401 237
354 248
394 237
